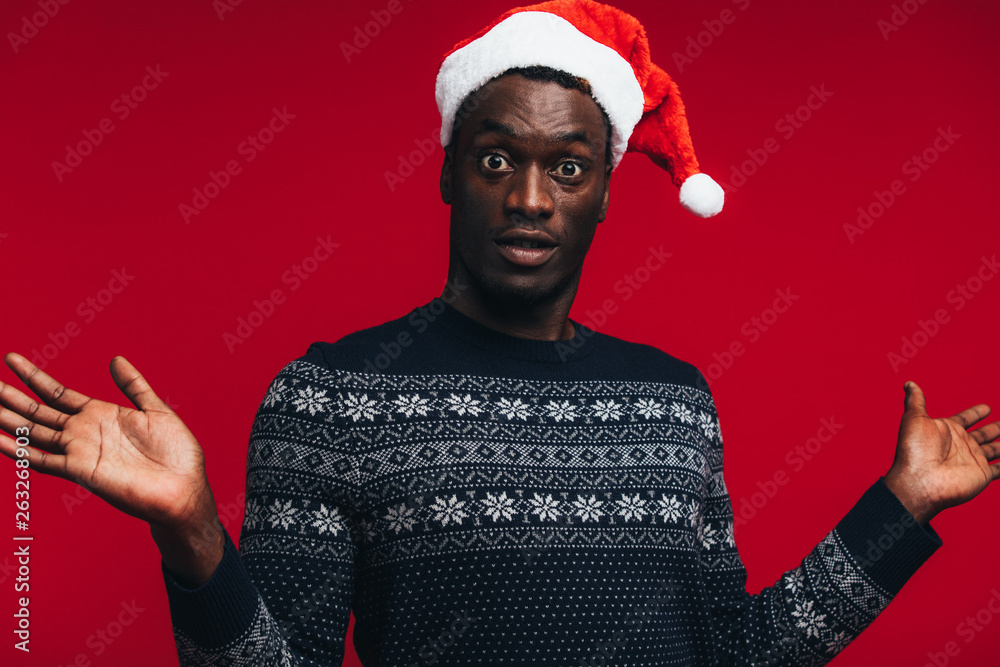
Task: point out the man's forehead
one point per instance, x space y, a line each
512 99
578 132
507 87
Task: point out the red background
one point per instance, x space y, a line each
325 175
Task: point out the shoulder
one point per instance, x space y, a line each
332 363
308 386
629 360
364 350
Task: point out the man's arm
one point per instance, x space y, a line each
815 610
146 463
285 598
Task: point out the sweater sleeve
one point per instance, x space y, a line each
285 597
815 610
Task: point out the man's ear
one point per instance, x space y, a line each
446 169
607 194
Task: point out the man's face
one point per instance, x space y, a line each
528 164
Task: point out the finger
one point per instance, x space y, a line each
970 416
41 436
50 464
30 409
991 452
987 433
44 386
914 400
135 387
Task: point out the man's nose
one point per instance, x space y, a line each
529 194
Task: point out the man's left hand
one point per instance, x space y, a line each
938 462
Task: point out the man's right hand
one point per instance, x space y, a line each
142 461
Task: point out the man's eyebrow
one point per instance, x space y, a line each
489 125
576 135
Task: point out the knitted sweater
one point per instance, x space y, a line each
482 499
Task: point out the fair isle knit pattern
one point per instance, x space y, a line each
479 499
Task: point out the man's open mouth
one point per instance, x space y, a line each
526 252
525 244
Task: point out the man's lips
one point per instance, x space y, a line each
516 253
526 237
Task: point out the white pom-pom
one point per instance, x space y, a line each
702 196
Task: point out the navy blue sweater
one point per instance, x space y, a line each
481 499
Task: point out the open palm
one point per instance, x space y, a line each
143 461
939 463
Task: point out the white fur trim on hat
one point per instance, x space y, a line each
542 38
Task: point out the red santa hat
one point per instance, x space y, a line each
608 48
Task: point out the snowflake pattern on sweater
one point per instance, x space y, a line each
486 519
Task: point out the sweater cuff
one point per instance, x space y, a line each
219 611
885 539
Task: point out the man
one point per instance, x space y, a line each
513 488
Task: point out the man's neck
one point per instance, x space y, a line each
549 321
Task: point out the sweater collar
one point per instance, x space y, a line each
501 344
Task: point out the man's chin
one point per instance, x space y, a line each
524 294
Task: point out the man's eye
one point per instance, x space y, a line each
494 162
570 169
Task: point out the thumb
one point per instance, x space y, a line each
914 401
135 387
